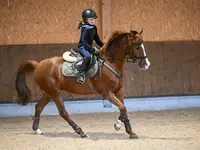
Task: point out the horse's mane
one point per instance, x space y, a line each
115 35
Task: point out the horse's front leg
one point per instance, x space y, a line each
117 99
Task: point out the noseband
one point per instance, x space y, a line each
134 58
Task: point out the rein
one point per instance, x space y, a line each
134 58
110 68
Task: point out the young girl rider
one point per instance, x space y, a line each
88 35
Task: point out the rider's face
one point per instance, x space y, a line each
91 21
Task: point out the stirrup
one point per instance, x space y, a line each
81 78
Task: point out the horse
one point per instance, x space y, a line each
47 75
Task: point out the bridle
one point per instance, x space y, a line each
134 58
131 50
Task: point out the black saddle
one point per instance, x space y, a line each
75 52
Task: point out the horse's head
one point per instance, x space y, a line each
136 50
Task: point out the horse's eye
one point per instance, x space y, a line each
137 47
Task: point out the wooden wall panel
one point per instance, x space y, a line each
171 35
42 21
162 20
106 19
12 56
46 21
174 69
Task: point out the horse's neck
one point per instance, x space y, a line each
119 62
118 55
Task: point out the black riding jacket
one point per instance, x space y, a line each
88 34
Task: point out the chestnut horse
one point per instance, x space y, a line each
48 76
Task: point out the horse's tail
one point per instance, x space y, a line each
24 93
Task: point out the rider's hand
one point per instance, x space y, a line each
96 51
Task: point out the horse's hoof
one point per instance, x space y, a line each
117 127
84 136
38 132
134 136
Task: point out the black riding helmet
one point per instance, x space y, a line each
88 13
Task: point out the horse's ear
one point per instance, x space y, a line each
141 31
133 33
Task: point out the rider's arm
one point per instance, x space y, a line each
85 41
97 39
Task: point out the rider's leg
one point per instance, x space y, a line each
86 59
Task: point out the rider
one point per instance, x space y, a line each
88 35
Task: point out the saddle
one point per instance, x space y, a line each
73 60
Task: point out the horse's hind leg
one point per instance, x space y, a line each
63 113
38 110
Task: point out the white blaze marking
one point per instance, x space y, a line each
146 59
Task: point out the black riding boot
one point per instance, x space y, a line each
82 68
84 65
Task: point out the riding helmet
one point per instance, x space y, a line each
88 13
